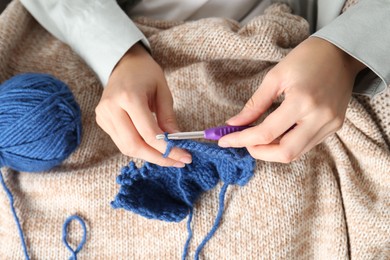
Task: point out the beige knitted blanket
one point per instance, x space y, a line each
333 203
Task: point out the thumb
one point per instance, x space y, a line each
260 101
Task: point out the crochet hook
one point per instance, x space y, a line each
214 133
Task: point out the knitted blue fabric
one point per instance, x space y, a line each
168 193
40 126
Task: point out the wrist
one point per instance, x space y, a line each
136 52
353 65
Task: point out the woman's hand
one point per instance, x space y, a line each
136 89
316 79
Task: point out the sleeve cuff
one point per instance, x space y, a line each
103 37
363 33
97 30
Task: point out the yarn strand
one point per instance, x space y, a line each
40 125
65 234
189 237
191 208
17 221
169 193
216 222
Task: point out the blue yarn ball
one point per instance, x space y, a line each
40 122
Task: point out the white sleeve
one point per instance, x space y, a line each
363 32
97 30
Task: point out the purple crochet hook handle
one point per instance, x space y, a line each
216 133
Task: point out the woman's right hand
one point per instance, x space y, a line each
135 91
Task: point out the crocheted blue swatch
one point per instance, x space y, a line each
168 193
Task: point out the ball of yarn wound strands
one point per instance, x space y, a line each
40 126
40 122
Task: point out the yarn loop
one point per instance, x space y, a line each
65 234
40 126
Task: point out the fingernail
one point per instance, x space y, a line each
231 119
179 165
223 144
186 159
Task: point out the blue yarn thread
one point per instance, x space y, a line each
191 210
189 235
40 124
169 193
65 234
169 146
216 222
11 201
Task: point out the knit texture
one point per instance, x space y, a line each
168 193
333 203
40 122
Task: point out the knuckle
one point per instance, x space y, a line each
253 152
149 137
98 120
309 102
271 75
329 114
266 137
130 150
338 123
169 120
250 104
286 156
120 98
98 109
152 142
104 106
125 98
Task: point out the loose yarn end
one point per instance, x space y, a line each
169 193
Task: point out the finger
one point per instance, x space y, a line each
166 118
274 125
290 146
260 101
128 140
147 127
